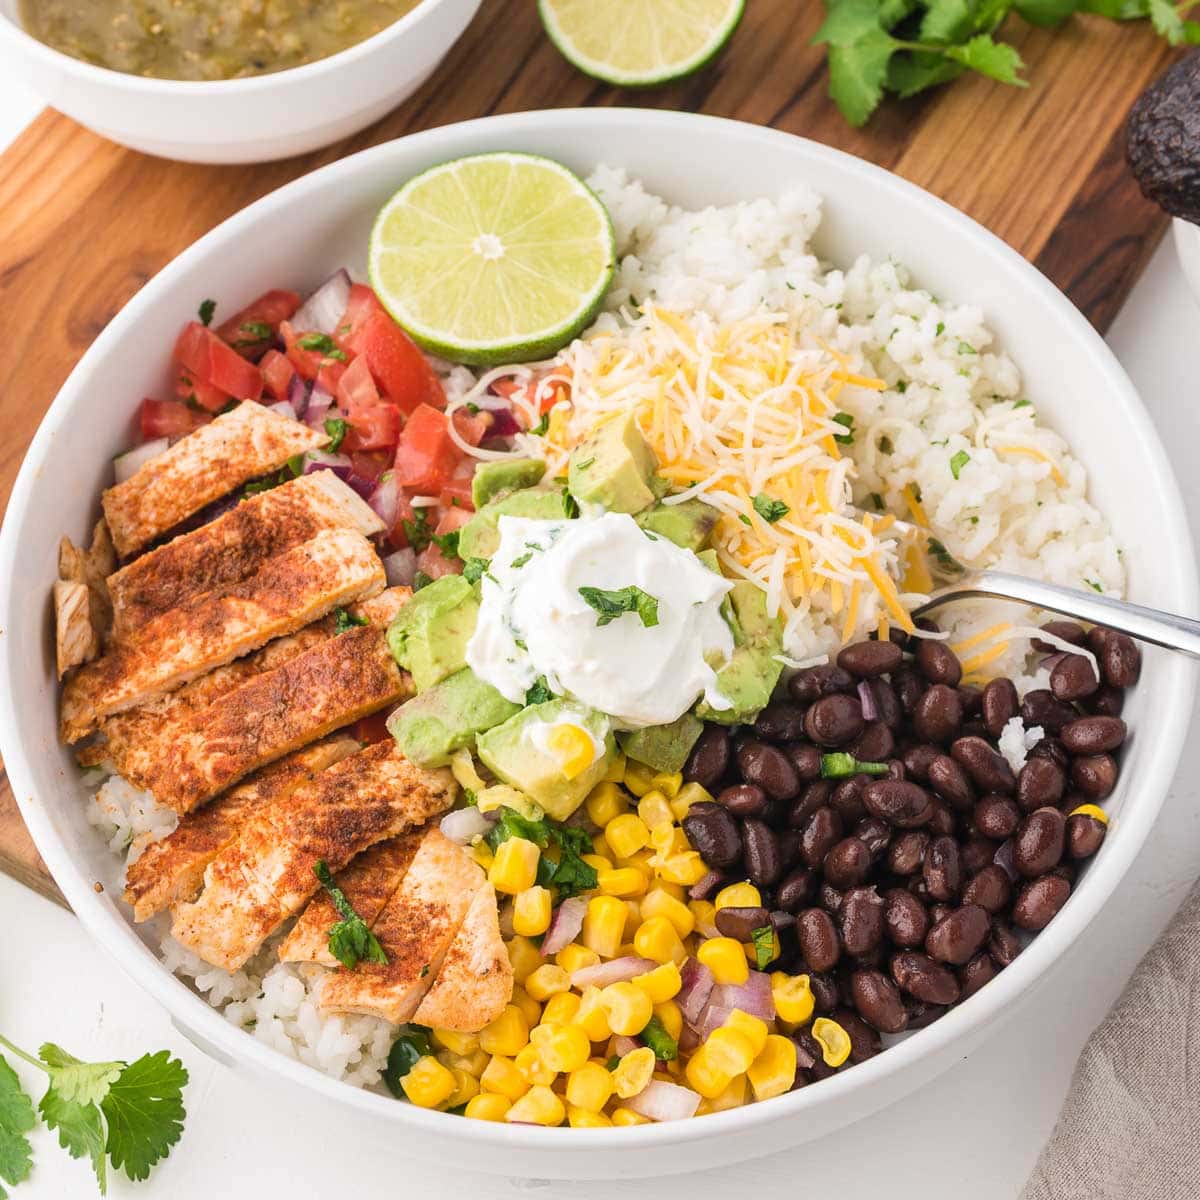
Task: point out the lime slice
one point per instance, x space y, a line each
639 43
494 258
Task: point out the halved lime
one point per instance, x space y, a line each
639 43
493 258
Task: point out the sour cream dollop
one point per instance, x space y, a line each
534 622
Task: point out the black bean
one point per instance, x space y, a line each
910 686
1067 631
816 795
905 918
977 853
1039 842
1004 945
760 852
896 769
864 1041
923 978
958 935
943 869
834 720
806 759
1000 705
1095 775
1073 678
878 1002
770 769
972 699
741 922
861 920
988 769
1042 707
1041 782
1093 735
780 722
875 834
714 833
989 888
796 890
1084 835
825 992
997 816
1120 660
921 1014
1050 747
887 703
847 800
1039 901
812 683
950 782
865 660
848 863
874 744
818 939
822 832
743 800
907 852
830 898
938 715
898 802
917 760
980 970
789 846
938 663
1106 701
709 759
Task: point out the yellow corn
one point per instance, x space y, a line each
705 1076
601 848
834 1041
524 956
592 1014
531 1010
582 1118
633 1072
725 959
458 1043
730 1050
504 1077
481 852
627 1006
575 957
597 862
685 868
428 1084
704 912
603 925
564 1048
621 881
669 785
515 866
507 1034
661 984
533 1066
733 1096
672 1019
658 902
689 794
655 810
739 895
754 1028
639 779
606 801
472 1063
616 770
531 911
487 1106
590 1087
774 1070
658 939
626 834
674 890
633 918
548 980
1090 810
561 1008
465 1087
793 997
539 1106
667 840
626 1116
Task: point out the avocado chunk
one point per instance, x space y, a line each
429 635
687 524
431 726
614 467
749 677
663 747
495 480
480 536
516 753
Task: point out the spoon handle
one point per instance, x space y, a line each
1144 624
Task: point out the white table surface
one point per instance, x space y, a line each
976 1130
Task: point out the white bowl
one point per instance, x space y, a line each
299 234
1187 246
241 120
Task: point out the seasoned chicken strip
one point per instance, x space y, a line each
415 930
234 546
90 567
292 589
172 868
266 875
237 446
476 979
75 638
369 882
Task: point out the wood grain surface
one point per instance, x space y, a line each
88 223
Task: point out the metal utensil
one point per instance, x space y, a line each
1145 624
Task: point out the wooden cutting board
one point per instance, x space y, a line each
88 223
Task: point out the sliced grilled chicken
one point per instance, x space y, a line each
292 589
476 979
237 446
266 874
76 640
234 546
368 883
415 929
91 567
172 869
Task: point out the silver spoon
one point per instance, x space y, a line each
1144 624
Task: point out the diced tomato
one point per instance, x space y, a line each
363 303
435 564
369 464
356 388
312 364
277 373
376 427
397 536
426 456
206 357
168 418
401 370
370 730
457 495
252 330
472 427
508 388
193 390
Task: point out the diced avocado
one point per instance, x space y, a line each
430 633
495 480
430 727
513 755
687 524
614 467
749 677
663 747
480 536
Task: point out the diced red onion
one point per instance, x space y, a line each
363 485
400 567
319 404
616 971
697 985
504 424
463 825
866 696
754 996
284 408
299 391
385 499
322 460
1003 858
704 888
623 1045
125 465
713 1017
321 312
662 1101
688 1040
564 925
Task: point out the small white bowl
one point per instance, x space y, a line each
241 120
295 238
1187 246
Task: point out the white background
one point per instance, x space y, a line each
977 1129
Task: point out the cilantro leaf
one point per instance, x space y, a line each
512 824
539 693
1117 10
909 74
1167 21
764 945
323 344
613 604
336 428
417 531
858 72
996 60
16 1120
959 461
144 1110
77 1082
474 569
770 510
422 579
344 621
572 875
80 1130
350 940
946 21
847 421
1046 13
943 558
847 21
447 543
206 310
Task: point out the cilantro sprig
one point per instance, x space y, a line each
128 1115
763 939
350 939
344 621
323 344
613 604
570 875
770 510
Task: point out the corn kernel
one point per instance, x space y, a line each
606 801
572 747
633 1072
621 881
793 997
834 1041
628 1008
633 918
1090 810
660 984
655 810
705 1076
561 1009
472 1063
548 980
592 1015
524 956
582 1118
428 1083
603 925
465 1087
458 1043
729 1050
481 852
739 895
539 1106
487 1106
659 902
689 794
515 866
638 778
531 911
507 1034
626 1116
667 839
575 957
668 1012
687 868
616 770
564 1048
774 1070
531 1010
754 1028
704 913
626 834
724 958
669 785
601 848
533 1066
597 862
734 1096
503 1076
658 939
589 1086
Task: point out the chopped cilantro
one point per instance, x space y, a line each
1094 585
583 466
770 510
447 543
422 579
344 621
885 445
902 386
941 328
877 501
745 520
417 531
539 693
943 557
570 875
336 428
522 560
207 308
613 604
257 331
1022 404
474 569
323 344
350 940
846 420
958 461
966 348
764 945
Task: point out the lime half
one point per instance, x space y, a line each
639 43
494 258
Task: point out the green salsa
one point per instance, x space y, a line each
206 39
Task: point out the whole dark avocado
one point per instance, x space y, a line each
1163 139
